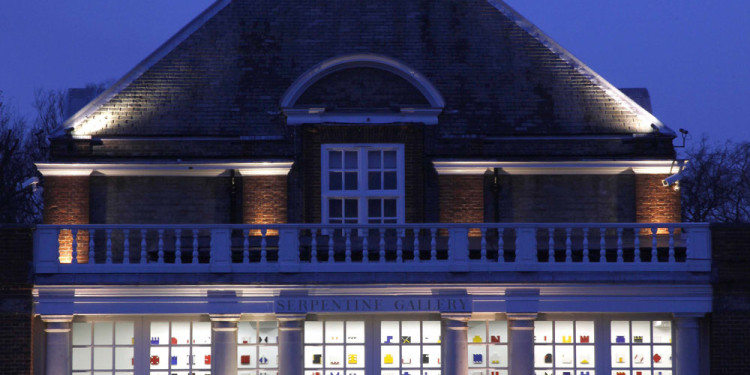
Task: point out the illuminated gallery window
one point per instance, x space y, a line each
180 348
564 348
335 347
488 347
103 348
257 348
411 347
641 347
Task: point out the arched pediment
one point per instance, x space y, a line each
397 93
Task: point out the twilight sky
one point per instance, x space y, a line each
692 55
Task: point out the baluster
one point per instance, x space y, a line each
671 245
314 246
330 246
348 246
263 252
551 243
74 247
195 247
381 255
177 246
160 254
568 246
415 231
654 248
399 246
126 246
365 245
108 233
585 245
637 245
500 245
245 246
144 256
92 253
433 244
483 251
619 245
602 246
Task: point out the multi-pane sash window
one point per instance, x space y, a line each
362 183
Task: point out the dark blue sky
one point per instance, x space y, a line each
692 55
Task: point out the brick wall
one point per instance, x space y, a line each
161 200
264 199
561 198
461 199
655 203
15 300
730 320
66 201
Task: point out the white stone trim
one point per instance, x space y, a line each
558 168
298 116
278 168
493 298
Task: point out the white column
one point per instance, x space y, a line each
58 352
521 343
290 343
455 343
224 344
687 349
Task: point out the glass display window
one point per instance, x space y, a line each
102 348
564 347
180 348
641 347
488 347
257 348
334 347
411 347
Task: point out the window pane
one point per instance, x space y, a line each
350 159
373 180
350 181
389 180
334 159
350 208
334 208
389 208
373 207
373 159
334 181
103 333
389 159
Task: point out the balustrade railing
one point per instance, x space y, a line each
375 248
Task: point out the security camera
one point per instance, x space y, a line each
672 179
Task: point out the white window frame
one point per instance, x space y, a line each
363 193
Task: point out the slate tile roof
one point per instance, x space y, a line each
498 79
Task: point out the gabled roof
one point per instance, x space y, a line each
226 71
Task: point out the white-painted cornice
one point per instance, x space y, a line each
179 169
478 167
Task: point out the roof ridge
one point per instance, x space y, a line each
143 66
580 66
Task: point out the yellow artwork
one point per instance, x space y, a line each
352 359
388 360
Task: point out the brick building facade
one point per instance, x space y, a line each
400 187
